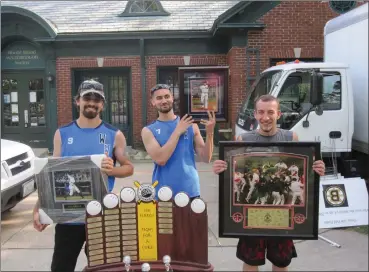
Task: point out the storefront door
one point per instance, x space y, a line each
116 86
23 104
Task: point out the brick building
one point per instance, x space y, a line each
50 47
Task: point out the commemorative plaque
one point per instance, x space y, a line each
112 231
65 186
158 231
269 190
94 234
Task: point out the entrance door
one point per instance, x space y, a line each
116 87
24 113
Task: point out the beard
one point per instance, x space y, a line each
166 110
90 114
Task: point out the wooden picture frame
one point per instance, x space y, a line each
269 190
202 89
65 186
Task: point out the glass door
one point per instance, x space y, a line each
24 117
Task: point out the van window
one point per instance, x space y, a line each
295 101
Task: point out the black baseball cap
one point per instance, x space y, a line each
91 87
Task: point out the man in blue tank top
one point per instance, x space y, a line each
252 250
172 143
88 135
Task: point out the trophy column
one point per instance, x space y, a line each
129 224
165 223
94 234
112 235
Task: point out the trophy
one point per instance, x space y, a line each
127 263
159 231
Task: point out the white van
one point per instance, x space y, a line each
17 173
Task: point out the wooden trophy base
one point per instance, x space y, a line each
154 266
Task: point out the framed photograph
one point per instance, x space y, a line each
204 89
204 95
269 190
65 186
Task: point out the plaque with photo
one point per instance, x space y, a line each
204 89
269 190
66 185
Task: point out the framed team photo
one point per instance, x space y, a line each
65 186
204 95
269 190
204 89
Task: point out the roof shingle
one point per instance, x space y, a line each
102 16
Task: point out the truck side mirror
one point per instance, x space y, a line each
316 89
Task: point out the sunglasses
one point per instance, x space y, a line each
89 85
93 97
159 87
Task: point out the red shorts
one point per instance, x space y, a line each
279 251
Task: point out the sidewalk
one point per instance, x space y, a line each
24 249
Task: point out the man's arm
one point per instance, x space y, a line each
203 150
160 154
125 168
56 153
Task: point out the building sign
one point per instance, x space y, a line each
22 55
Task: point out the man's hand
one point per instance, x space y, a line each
107 165
319 167
36 221
219 166
185 122
209 124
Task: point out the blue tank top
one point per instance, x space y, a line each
76 141
180 172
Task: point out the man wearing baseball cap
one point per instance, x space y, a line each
88 135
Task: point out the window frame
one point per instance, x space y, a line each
128 13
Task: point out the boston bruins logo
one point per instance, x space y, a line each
335 196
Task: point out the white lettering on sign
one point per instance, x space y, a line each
21 57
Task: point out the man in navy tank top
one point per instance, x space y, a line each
88 135
172 142
252 250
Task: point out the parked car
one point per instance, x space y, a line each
17 173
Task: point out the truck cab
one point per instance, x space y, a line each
315 101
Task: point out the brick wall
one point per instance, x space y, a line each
291 24
64 85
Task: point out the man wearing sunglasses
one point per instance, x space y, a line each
172 142
88 135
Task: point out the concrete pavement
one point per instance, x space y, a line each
24 249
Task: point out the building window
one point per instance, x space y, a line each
169 76
342 6
144 8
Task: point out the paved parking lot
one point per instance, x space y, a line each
24 249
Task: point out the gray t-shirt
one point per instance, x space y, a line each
281 136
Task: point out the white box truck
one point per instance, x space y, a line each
327 101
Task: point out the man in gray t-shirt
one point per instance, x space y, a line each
250 250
